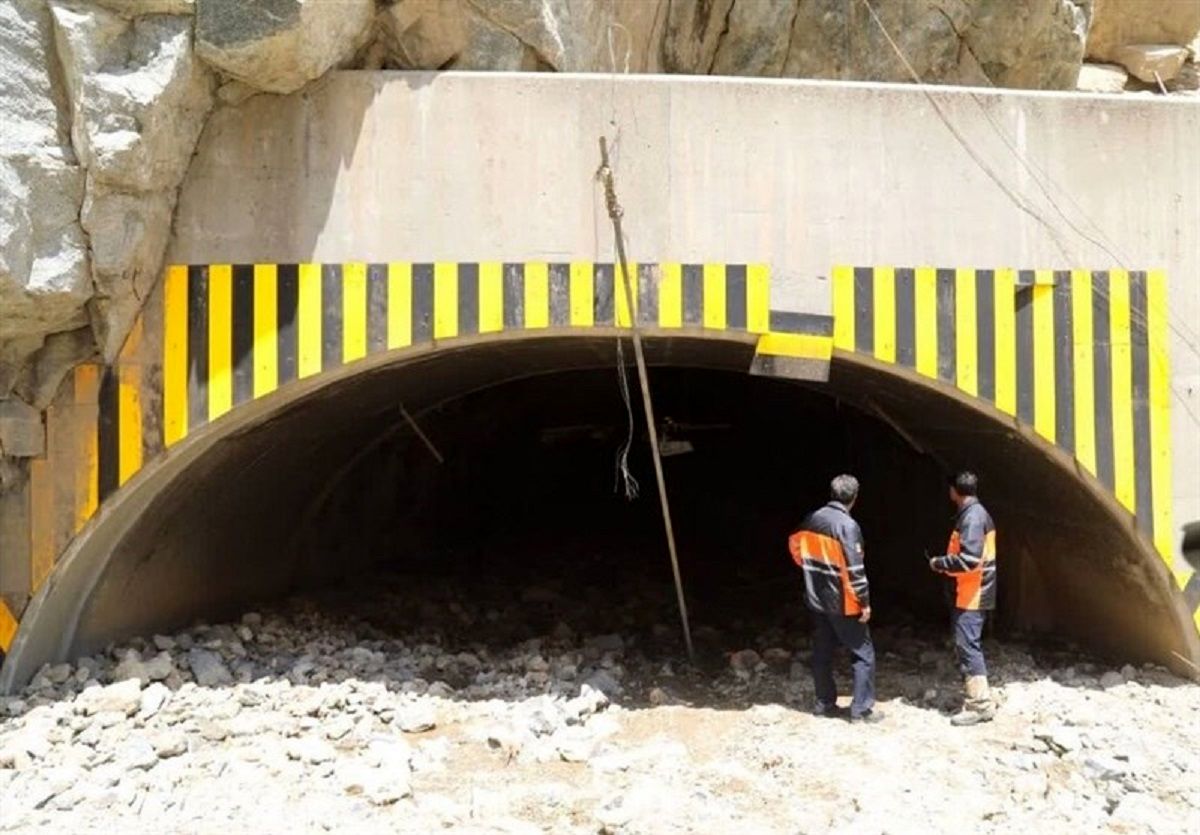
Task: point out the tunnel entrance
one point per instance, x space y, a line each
335 484
529 497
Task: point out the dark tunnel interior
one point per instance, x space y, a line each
512 482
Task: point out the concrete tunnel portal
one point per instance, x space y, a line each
306 490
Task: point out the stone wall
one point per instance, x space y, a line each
102 103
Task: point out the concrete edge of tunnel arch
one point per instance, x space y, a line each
48 630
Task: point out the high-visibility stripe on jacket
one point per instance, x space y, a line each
829 547
971 558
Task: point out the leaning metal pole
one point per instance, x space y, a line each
614 214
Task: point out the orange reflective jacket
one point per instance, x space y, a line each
829 547
971 558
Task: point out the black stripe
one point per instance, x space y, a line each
377 307
648 283
560 295
514 295
1023 299
735 296
784 321
864 310
197 346
331 316
985 333
1064 362
1101 336
693 294
242 359
946 311
1140 350
108 433
422 303
468 299
287 302
906 317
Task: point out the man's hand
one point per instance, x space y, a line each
865 617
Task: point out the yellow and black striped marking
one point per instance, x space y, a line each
1079 356
235 332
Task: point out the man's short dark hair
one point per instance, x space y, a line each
965 483
844 489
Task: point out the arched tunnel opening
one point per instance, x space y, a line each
489 473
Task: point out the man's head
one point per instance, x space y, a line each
963 486
844 489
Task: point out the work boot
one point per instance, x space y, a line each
978 706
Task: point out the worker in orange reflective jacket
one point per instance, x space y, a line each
971 562
829 547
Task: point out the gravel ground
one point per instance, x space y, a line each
407 705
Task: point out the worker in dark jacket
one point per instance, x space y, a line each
970 560
829 547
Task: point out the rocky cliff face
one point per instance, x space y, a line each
102 102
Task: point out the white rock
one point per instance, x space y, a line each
279 47
1111 679
153 698
310 750
137 754
1101 78
416 719
170 744
124 697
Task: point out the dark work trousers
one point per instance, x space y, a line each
830 631
968 641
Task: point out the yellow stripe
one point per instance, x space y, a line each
670 296
758 298
843 308
266 343
87 461
714 296
445 300
42 539
308 320
8 627
399 327
926 321
354 311
1084 371
175 359
1122 388
491 297
1044 409
1157 314
1006 341
803 345
884 288
537 295
129 400
129 438
583 299
620 288
964 330
220 340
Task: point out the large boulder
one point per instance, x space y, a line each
139 97
134 8
1118 23
44 281
1034 44
562 35
280 45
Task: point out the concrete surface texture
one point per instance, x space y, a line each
801 175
